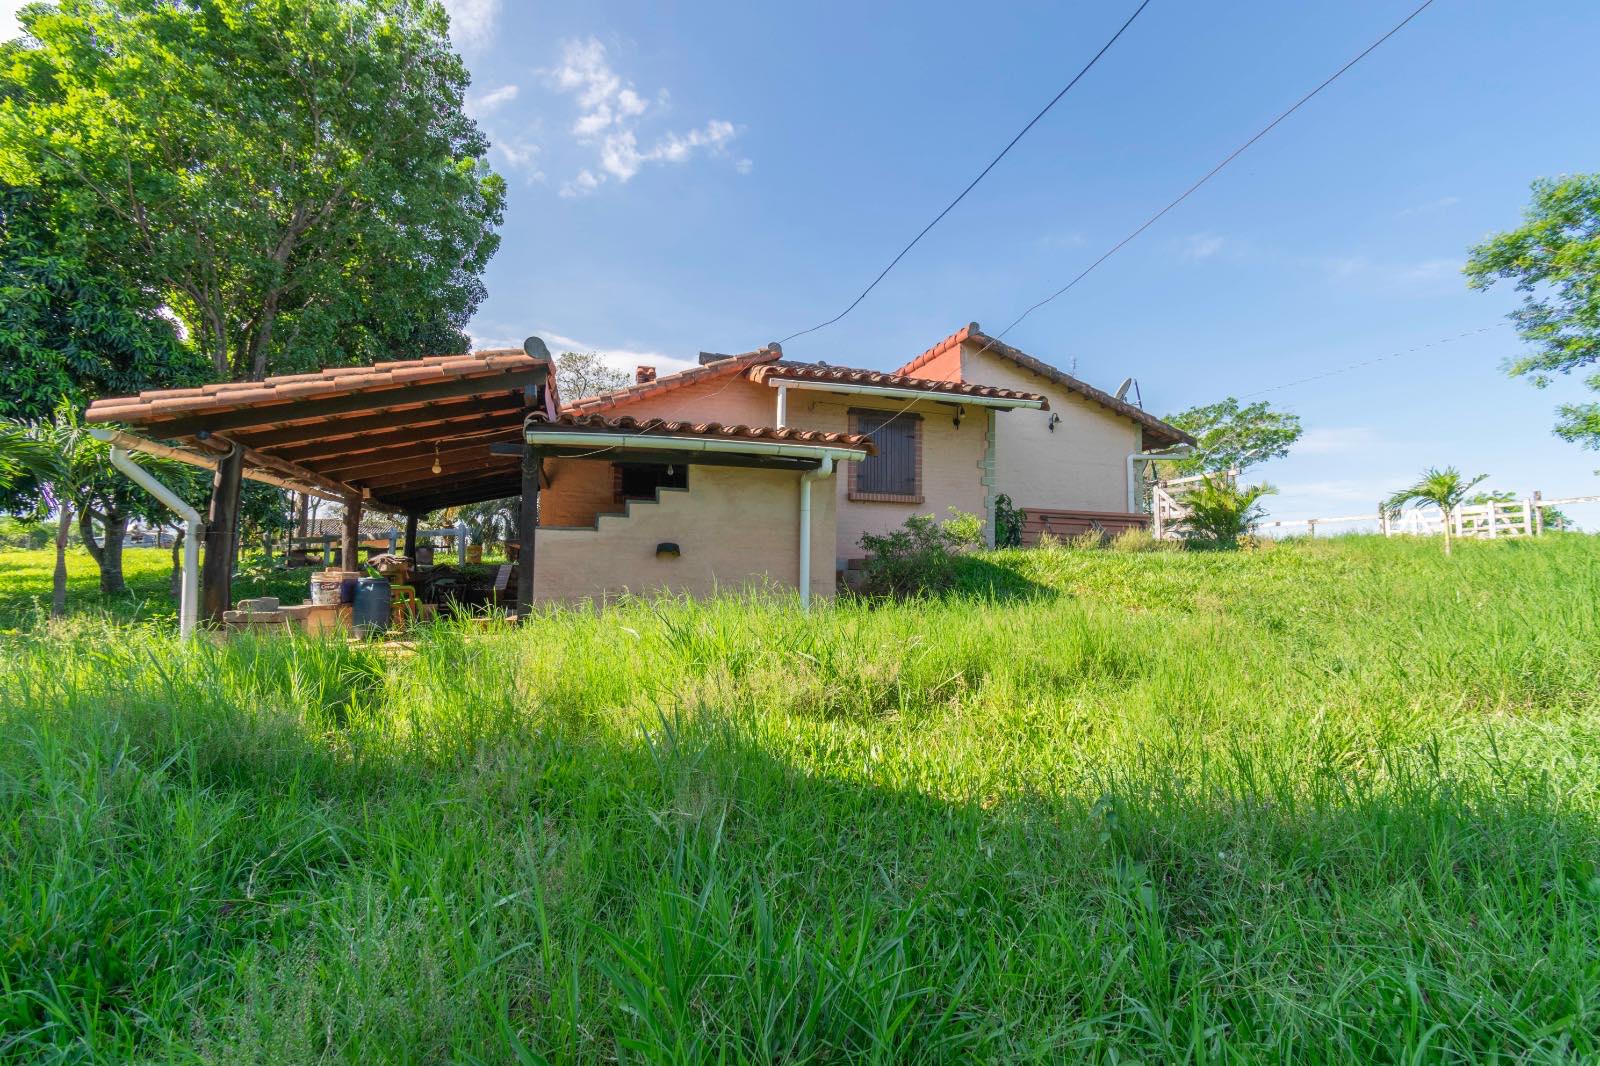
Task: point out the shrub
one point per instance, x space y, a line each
1007 523
1220 512
1137 539
920 556
24 533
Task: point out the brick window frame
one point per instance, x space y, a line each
861 421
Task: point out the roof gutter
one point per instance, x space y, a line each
656 442
902 394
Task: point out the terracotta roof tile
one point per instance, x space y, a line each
1157 431
844 375
605 401
156 405
599 425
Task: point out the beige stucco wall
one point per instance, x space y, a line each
1082 465
737 528
951 457
950 462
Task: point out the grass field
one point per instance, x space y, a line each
1330 801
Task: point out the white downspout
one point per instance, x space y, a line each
783 407
1135 457
825 469
189 601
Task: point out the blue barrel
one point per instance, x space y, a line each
371 607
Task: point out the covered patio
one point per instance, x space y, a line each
404 438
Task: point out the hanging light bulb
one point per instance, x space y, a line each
669 469
438 468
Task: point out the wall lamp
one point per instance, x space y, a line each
1054 418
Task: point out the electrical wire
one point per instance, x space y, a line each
1236 153
1369 362
982 174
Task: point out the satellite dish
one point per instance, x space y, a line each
1122 390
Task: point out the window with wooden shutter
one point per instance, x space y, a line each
895 473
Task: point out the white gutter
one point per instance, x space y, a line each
1171 453
652 442
189 602
823 471
903 394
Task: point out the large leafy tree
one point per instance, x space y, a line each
296 178
70 327
1554 260
1234 437
580 374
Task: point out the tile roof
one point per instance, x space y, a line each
154 406
1157 431
844 375
599 424
605 401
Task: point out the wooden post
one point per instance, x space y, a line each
216 573
1383 520
527 527
1536 513
411 537
350 545
1311 528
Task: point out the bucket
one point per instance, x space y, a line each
371 610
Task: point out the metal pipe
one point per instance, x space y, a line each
189 598
1171 453
904 394
783 406
822 471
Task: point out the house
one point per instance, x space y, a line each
1073 469
743 470
968 420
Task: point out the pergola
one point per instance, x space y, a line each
405 438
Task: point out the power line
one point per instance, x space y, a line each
1369 362
1268 128
984 173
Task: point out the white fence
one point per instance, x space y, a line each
1510 518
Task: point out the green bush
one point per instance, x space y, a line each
1220 512
1007 523
24 533
919 557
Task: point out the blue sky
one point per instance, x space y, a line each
717 175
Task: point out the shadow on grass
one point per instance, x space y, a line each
276 867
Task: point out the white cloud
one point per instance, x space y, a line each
472 22
626 359
1423 273
609 112
478 106
1335 440
519 154
1203 245
744 166
1430 207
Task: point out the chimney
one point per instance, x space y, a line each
643 375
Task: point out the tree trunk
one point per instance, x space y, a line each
222 519
350 546
86 534
116 530
58 595
305 514
176 584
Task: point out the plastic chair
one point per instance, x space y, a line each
405 598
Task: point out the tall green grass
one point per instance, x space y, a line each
1333 801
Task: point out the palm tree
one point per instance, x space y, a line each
40 452
1217 512
1446 489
